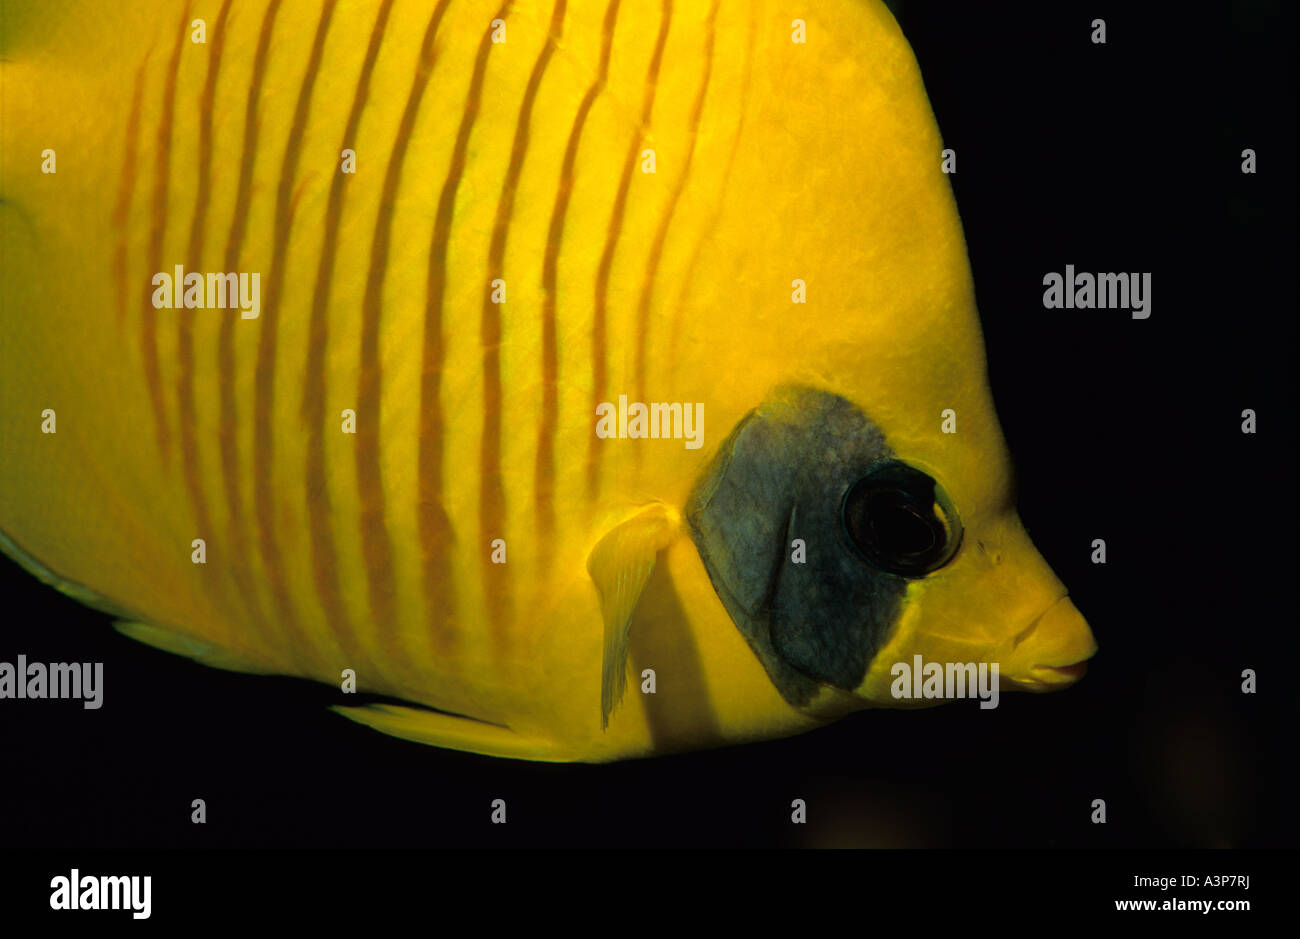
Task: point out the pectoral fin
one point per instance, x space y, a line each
621 564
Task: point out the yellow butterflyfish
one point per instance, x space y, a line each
584 380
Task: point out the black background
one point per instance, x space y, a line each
1122 157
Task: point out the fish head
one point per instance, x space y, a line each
840 547
861 511
931 513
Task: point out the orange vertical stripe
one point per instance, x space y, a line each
194 262
657 246
492 509
544 473
706 231
126 189
264 376
598 340
375 541
238 534
434 525
324 553
157 232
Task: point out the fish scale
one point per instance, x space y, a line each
280 610
481 166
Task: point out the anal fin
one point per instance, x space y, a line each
451 731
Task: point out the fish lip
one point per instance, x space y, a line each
1059 674
1049 677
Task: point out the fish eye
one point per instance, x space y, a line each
901 521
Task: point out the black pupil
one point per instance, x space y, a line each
899 524
893 520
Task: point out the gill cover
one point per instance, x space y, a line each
773 519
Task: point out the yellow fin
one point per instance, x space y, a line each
170 641
621 564
439 729
76 591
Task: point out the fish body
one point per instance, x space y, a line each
482 234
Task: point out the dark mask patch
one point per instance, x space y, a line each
782 474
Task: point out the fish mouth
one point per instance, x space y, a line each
1044 678
1051 653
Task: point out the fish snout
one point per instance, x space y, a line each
1050 653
